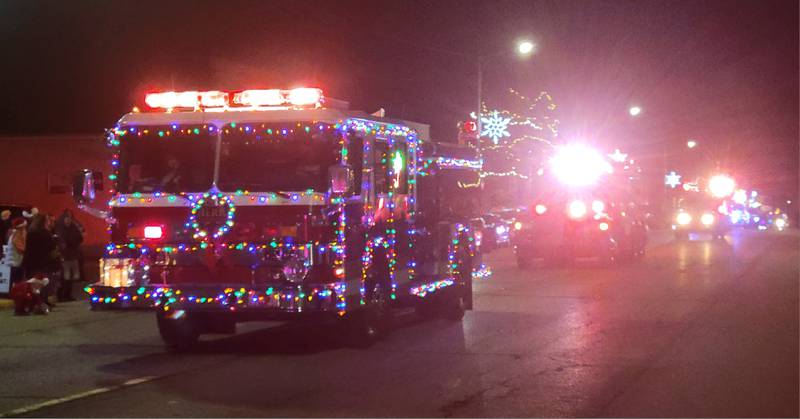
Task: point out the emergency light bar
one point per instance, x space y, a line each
299 97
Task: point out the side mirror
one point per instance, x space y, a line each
341 179
83 187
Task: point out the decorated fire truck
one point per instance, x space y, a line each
281 205
587 204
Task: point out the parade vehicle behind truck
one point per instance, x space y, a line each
698 212
280 205
586 204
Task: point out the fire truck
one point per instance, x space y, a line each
234 206
586 204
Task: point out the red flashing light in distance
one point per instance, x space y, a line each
153 232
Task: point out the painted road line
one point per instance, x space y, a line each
34 407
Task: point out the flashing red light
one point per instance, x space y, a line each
169 100
153 232
304 96
266 97
215 99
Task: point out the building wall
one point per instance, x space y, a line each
38 171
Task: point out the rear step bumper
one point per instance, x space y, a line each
285 299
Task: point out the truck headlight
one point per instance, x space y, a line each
707 219
577 209
683 218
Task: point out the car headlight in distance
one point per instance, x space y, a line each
517 225
707 219
780 223
540 209
683 218
500 229
576 209
598 206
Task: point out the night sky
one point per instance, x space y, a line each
722 72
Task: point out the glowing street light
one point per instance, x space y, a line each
691 144
525 47
635 110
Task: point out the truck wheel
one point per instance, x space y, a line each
454 305
523 262
178 329
364 327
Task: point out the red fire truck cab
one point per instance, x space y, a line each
279 204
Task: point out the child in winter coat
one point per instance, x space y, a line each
27 296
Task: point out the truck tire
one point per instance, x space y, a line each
454 305
365 326
523 262
178 333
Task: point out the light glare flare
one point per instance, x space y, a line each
721 186
578 165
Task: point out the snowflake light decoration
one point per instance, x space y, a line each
495 127
672 179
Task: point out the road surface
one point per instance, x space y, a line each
696 328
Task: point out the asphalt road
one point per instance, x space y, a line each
694 329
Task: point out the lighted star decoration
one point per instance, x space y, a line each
672 179
618 156
495 127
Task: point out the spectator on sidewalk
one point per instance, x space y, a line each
42 258
17 236
71 237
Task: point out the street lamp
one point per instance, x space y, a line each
691 144
524 49
635 110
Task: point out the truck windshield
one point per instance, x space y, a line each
277 158
181 161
